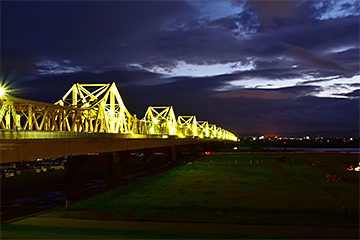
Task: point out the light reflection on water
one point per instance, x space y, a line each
54 198
23 200
352 150
92 182
48 205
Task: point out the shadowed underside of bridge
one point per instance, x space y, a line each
108 151
23 146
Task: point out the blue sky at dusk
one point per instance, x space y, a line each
248 66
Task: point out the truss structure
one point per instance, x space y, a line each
212 131
21 114
100 108
203 129
161 120
187 126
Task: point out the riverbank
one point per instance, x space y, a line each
80 228
228 189
235 188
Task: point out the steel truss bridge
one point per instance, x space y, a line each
101 110
93 112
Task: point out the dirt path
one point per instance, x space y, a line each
285 176
339 197
288 178
288 230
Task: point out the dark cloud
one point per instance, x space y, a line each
299 114
353 94
280 93
110 34
97 32
134 43
254 94
312 59
51 87
16 66
317 81
269 12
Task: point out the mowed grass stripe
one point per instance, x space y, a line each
246 190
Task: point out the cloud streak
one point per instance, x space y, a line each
255 94
311 58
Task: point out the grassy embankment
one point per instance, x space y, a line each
245 188
38 232
230 189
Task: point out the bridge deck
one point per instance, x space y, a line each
30 145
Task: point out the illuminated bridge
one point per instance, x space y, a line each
91 119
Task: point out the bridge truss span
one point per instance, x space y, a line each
99 108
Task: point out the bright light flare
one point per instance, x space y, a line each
2 91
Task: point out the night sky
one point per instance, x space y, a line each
247 66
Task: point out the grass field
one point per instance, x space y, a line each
239 188
39 232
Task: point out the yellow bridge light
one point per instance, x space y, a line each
187 126
161 119
2 91
203 128
100 108
103 109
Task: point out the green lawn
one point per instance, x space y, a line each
39 232
244 188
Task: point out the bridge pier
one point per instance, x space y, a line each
171 153
73 166
195 149
148 154
215 146
109 166
116 162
